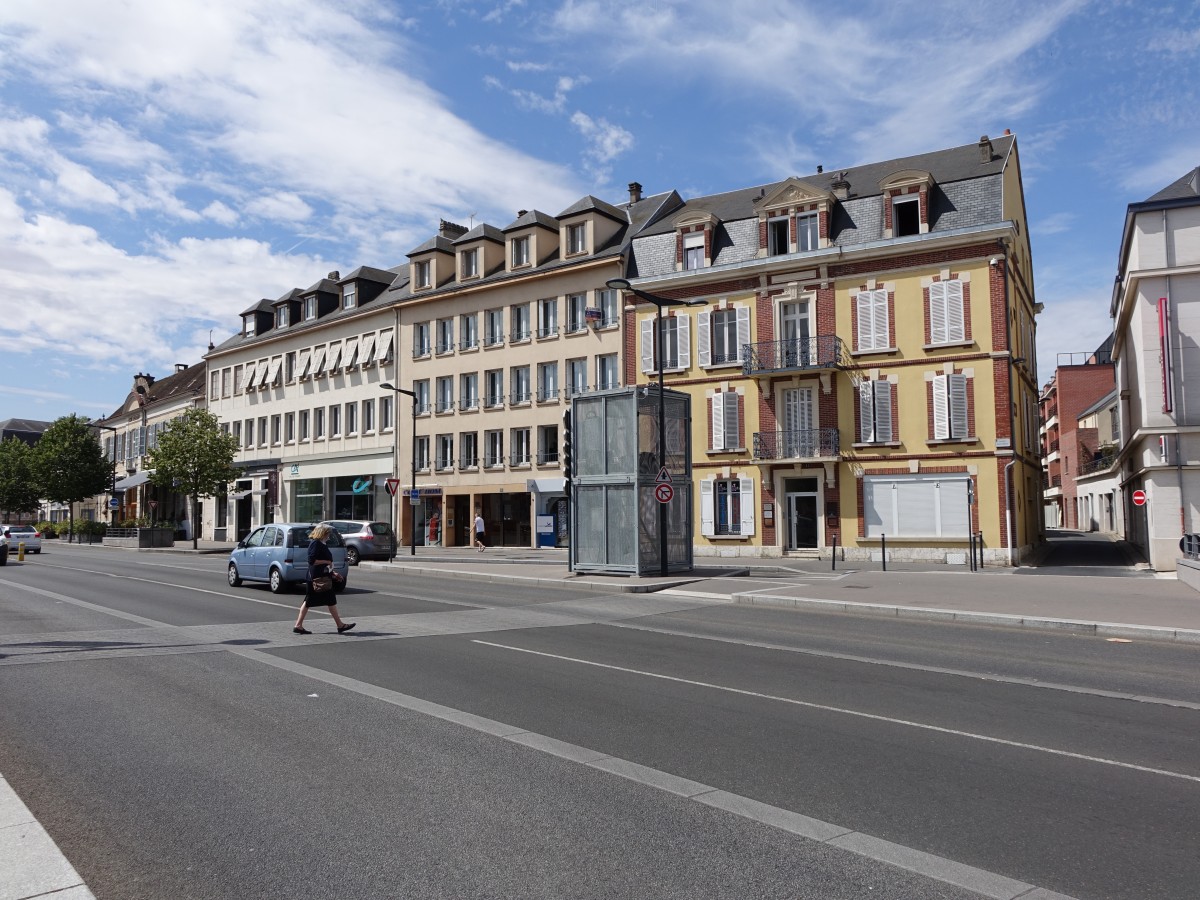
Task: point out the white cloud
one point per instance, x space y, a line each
1052 224
280 207
220 213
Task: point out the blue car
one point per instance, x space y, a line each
278 555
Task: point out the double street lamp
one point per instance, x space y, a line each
412 531
622 284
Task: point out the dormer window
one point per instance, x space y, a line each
248 329
520 251
777 236
310 308
577 238
281 316
421 273
349 296
693 251
906 215
808 232
470 263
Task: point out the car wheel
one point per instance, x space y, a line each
235 580
351 556
38 551
278 585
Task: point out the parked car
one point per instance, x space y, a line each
23 534
365 540
278 555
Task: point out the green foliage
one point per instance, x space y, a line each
90 526
18 486
67 462
47 529
194 457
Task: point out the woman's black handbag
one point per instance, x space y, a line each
322 583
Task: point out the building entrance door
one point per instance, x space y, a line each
800 495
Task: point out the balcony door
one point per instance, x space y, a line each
795 325
799 431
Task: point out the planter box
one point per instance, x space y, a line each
140 537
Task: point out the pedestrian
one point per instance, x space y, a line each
479 534
318 588
434 525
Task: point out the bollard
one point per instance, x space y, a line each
971 550
20 551
980 545
883 550
833 556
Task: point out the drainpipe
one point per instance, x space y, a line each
1013 559
1179 412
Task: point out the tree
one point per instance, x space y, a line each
194 457
68 464
18 487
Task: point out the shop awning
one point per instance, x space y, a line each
545 485
133 480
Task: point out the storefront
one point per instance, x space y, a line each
353 488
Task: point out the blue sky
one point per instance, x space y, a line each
165 165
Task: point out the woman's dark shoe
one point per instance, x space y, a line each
298 630
346 627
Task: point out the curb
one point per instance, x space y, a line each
570 580
1073 626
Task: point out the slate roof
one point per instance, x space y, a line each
23 428
482 231
437 242
593 204
1185 188
186 383
325 285
370 273
533 217
264 305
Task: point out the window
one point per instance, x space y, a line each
289 428
249 434
874 332
494 449
468 330
349 295
520 323
289 366
310 308
385 413
951 421
520 384
422 453
248 326
225 373
606 371
548 317
262 431
445 451
319 423
281 316
721 334
276 429
470 263
468 392
576 313
445 336
421 401
421 339
547 445
421 273
777 236
727 507
304 426
520 251
875 412
608 307
445 394
577 238
726 421
693 251
335 421
906 215
578 374
494 383
808 232
237 436
676 343
237 379
368 409
547 381
916 505
351 418
468 443
214 386
946 320
520 446
493 327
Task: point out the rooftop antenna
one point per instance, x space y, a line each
471 219
211 345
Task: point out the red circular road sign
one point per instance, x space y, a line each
1139 498
663 493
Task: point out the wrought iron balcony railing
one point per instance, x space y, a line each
1099 464
823 351
814 443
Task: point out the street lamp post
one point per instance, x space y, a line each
412 531
112 513
622 284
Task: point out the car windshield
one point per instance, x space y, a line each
381 528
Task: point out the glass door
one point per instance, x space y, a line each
796 329
802 521
798 431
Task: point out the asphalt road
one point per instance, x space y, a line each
489 740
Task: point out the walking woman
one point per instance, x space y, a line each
320 571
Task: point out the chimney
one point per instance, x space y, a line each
1007 132
985 149
820 169
635 192
450 230
334 275
841 187
521 212
179 367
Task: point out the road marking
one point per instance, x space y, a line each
937 670
937 868
856 713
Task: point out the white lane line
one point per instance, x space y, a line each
856 713
937 670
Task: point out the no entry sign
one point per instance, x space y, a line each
663 493
1139 498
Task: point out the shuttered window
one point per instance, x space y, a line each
950 419
726 429
873 330
946 320
916 506
875 411
727 507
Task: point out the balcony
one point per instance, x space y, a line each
825 351
816 443
1099 464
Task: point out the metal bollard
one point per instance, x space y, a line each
971 550
883 550
980 545
833 556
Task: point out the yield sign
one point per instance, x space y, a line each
664 477
392 485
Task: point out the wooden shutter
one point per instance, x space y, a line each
955 314
647 328
716 406
747 502
937 313
866 412
866 312
941 414
704 339
706 508
684 331
743 332
731 420
958 406
883 410
880 320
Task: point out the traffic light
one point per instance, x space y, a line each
566 445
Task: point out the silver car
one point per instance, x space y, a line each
278 555
22 534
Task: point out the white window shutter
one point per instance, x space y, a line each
647 345
717 408
955 314
732 402
958 405
880 321
883 410
866 412
937 313
703 338
685 341
747 501
866 311
743 332
941 415
707 513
